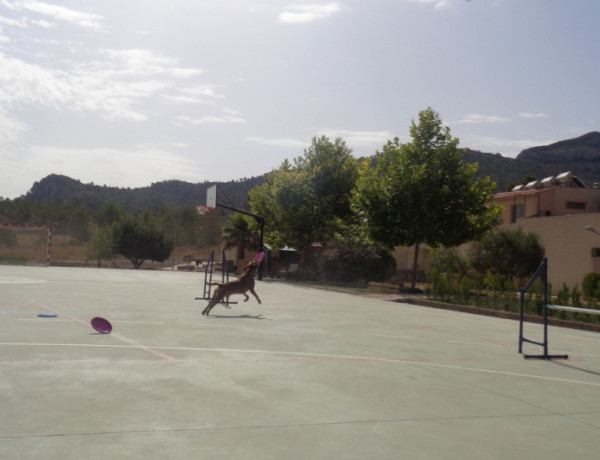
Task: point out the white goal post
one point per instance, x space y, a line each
25 244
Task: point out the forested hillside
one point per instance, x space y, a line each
76 211
580 155
168 194
57 198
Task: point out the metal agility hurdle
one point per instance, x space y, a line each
542 272
208 275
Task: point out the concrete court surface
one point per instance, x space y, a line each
309 374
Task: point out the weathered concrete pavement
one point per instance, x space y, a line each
307 374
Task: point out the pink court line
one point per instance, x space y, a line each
118 336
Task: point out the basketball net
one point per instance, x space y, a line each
203 209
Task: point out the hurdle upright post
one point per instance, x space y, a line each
208 272
542 272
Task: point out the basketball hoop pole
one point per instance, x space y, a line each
261 222
212 202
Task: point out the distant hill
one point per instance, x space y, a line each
580 155
64 190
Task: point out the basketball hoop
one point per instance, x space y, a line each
204 209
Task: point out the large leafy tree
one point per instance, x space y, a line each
140 239
308 201
424 192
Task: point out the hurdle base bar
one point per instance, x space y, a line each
562 308
545 355
548 357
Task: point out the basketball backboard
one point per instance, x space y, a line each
211 197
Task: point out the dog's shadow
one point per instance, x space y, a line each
259 317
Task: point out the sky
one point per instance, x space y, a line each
131 92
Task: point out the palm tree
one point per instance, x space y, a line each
237 233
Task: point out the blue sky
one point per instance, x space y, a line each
130 92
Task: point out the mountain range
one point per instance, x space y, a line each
579 155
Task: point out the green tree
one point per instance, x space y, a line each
109 214
100 245
309 200
140 239
591 284
239 233
510 253
424 192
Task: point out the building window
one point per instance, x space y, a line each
595 252
575 205
516 211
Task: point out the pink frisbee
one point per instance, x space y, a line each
101 325
260 257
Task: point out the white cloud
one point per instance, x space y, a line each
21 82
532 115
228 116
140 62
114 86
131 167
202 90
21 23
278 142
439 4
185 99
11 129
299 14
476 118
81 19
360 138
43 23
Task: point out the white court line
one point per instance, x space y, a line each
321 356
138 322
389 335
15 281
217 325
118 336
49 320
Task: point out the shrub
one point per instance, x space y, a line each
464 288
440 284
576 296
346 263
448 260
564 295
590 285
510 253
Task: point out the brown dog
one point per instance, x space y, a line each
241 285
